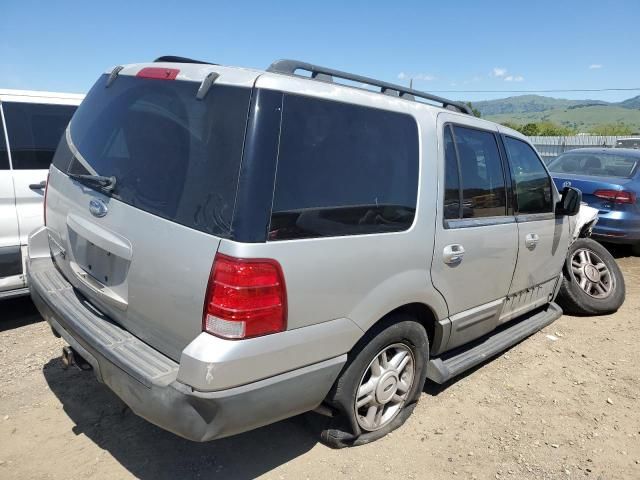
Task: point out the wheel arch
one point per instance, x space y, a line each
425 316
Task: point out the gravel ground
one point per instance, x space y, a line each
561 404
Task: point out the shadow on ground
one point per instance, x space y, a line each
18 312
618 251
149 452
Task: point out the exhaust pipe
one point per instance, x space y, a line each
71 357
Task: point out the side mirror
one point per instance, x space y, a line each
569 203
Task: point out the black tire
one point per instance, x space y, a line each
396 331
574 299
635 249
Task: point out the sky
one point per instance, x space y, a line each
459 45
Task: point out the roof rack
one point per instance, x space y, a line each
176 59
290 67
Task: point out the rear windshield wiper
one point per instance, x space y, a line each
106 183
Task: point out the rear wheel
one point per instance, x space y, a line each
380 384
592 282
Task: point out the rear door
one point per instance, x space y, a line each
476 233
33 133
543 237
142 252
10 257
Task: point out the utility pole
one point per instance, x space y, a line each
411 83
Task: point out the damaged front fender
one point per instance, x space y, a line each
582 224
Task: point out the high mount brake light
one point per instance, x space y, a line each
158 73
616 196
245 298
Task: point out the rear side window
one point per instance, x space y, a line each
34 131
533 184
172 154
4 158
483 184
343 170
451 177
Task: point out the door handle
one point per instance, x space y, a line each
453 254
38 186
531 240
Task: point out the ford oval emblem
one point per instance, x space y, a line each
98 208
566 184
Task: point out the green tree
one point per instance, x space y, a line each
530 130
476 112
612 129
550 129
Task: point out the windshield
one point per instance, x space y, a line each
171 154
595 164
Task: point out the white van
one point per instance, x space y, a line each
31 125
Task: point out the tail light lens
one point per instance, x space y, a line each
245 298
44 203
616 196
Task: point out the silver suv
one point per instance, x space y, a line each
228 247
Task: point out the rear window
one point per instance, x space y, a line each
343 170
34 131
172 155
595 164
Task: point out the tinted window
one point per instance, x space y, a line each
451 178
343 170
533 184
172 155
34 131
483 186
595 164
4 158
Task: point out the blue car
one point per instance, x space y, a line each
610 181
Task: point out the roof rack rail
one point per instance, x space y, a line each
290 67
176 59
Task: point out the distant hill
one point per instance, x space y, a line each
579 114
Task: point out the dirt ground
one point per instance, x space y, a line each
561 404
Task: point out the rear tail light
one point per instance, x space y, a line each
245 298
44 203
158 73
616 196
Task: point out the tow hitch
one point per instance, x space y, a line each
71 357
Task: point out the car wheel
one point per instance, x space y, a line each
635 249
592 282
380 383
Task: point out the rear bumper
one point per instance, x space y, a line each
147 381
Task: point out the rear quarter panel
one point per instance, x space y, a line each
359 277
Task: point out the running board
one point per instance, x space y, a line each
454 363
18 292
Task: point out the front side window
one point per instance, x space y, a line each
533 184
34 131
483 184
343 170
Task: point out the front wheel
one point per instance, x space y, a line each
592 282
380 384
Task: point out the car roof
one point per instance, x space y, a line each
631 152
198 71
38 96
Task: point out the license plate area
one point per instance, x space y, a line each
104 266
